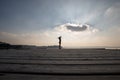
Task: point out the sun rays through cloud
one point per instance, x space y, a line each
80 23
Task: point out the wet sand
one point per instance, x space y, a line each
66 64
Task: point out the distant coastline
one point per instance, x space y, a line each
4 45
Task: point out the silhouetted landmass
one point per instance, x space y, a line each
4 45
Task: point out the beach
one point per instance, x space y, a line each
60 64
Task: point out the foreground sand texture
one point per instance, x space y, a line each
65 64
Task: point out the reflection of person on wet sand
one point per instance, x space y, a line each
59 42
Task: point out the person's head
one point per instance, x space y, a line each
59 37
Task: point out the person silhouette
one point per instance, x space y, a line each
59 42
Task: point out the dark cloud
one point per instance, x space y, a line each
77 27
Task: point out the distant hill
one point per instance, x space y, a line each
4 45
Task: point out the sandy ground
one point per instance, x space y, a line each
66 64
58 77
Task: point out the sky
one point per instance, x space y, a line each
81 23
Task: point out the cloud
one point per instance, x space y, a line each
76 27
111 16
22 38
113 11
8 34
